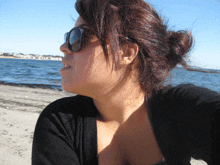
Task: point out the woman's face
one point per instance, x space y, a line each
87 70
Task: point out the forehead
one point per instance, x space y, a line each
80 22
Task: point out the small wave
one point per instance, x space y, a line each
52 73
55 82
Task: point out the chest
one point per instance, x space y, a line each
127 144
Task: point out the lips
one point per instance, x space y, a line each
65 67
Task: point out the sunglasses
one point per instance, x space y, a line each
76 38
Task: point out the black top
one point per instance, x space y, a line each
184 120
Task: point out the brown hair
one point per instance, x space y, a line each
160 50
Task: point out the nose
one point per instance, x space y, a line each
65 48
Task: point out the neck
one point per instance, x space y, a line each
118 105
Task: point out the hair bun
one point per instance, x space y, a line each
179 44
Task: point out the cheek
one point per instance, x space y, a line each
98 71
82 69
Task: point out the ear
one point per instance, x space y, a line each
128 53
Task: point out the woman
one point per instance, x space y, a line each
116 59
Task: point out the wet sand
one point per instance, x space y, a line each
19 111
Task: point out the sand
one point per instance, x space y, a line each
19 110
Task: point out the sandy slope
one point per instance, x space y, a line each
19 110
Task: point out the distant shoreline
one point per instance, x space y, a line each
28 58
5 57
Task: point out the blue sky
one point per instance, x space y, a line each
37 26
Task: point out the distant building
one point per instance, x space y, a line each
7 54
56 58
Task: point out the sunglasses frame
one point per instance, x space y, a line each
67 36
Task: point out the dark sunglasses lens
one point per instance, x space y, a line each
75 39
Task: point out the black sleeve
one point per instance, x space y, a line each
192 116
53 142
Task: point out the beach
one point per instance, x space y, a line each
19 110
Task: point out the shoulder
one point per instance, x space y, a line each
189 91
66 111
76 105
186 106
185 95
59 130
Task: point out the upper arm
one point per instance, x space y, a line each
53 141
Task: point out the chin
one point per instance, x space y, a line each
79 88
66 86
69 87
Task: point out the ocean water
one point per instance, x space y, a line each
204 79
32 73
45 74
